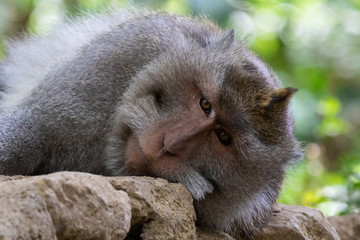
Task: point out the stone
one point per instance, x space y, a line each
347 226
297 223
73 205
64 205
208 234
11 178
160 210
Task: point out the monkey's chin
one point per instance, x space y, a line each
195 183
166 166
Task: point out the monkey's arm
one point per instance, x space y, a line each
21 142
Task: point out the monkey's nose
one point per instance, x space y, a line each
186 134
165 150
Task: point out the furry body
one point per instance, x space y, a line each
101 94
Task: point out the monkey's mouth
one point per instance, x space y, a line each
141 162
166 165
157 156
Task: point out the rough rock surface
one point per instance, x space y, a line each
72 205
65 205
160 210
207 234
298 223
348 226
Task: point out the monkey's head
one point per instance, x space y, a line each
213 117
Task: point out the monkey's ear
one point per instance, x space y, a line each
279 99
226 41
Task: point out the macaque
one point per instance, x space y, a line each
155 94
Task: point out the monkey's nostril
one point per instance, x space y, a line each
167 150
170 153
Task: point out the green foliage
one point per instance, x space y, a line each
313 45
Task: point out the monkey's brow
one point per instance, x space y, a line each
233 119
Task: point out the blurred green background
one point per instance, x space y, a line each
313 45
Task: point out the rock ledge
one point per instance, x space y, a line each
73 205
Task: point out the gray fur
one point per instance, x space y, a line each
72 100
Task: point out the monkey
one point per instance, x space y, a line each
155 94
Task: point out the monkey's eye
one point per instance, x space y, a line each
223 136
205 105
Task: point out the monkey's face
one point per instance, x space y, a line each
215 121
